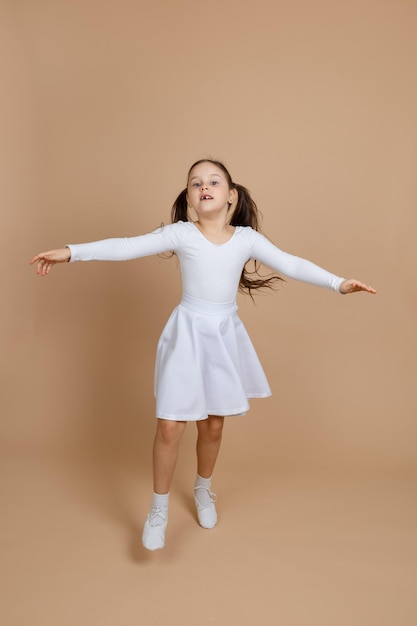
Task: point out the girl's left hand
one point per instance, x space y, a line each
352 285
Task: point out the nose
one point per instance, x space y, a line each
204 186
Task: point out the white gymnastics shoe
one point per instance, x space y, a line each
206 511
153 536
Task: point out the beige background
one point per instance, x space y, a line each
312 105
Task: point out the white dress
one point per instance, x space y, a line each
205 362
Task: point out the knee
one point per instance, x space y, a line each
169 432
211 429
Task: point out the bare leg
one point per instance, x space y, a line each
165 452
208 444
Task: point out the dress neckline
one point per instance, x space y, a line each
217 245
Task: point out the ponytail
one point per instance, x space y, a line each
246 212
179 211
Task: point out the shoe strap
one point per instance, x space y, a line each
157 512
213 496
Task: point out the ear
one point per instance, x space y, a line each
233 198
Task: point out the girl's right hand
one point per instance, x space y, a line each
45 260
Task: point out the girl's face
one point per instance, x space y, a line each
208 190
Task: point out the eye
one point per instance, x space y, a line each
214 182
195 185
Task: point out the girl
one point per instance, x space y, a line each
206 366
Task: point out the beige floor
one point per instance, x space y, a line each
292 548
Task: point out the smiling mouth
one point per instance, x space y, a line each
206 198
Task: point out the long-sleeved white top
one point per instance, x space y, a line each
209 271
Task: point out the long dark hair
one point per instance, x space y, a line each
246 213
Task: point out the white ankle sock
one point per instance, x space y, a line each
160 501
203 493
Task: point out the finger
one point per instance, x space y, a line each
38 257
35 259
363 287
45 269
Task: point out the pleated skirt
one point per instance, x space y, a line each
206 363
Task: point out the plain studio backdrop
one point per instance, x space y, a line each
312 105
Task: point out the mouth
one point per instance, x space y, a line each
206 197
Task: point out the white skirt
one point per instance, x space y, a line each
206 363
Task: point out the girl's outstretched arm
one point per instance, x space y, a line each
163 239
301 269
45 260
352 285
